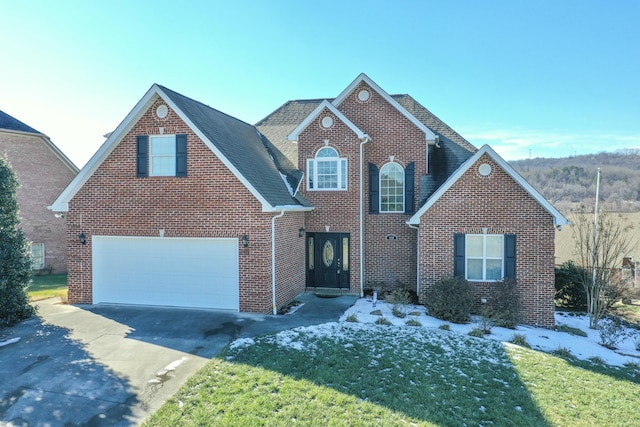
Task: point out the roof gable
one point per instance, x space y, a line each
237 144
11 124
293 136
558 218
429 135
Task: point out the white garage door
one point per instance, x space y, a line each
179 272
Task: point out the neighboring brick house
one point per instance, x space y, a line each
362 191
43 171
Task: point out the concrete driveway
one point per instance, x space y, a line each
115 365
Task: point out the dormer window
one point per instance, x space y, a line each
327 171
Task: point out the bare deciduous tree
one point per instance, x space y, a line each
602 256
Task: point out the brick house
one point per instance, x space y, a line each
43 171
184 205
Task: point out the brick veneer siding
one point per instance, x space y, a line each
290 258
337 210
210 202
387 263
42 176
498 203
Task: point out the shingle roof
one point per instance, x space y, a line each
257 160
11 123
280 123
454 149
444 161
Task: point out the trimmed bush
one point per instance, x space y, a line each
450 299
506 306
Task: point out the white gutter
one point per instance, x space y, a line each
288 208
362 142
418 258
273 260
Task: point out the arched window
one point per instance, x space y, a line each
327 171
392 188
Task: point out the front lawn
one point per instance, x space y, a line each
355 374
48 286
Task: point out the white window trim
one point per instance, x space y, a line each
151 156
44 263
484 258
403 188
341 172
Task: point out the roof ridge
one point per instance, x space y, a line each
164 88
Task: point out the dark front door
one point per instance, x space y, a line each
328 260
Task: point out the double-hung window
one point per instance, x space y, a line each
161 155
37 256
327 171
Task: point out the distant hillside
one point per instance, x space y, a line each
570 182
566 240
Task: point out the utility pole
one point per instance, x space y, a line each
595 246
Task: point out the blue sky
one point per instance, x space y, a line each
539 79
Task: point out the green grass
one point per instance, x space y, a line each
351 374
571 330
48 286
628 312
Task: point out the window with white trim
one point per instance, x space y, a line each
37 256
392 188
327 171
484 257
162 155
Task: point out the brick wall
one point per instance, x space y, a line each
337 210
210 202
42 176
498 203
290 257
387 263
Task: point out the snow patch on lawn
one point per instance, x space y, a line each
539 338
454 342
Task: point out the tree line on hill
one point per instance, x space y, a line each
570 182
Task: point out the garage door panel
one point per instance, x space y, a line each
166 271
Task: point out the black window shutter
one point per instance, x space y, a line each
509 256
409 188
458 254
181 155
374 189
142 156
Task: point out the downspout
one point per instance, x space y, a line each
362 142
273 260
418 258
